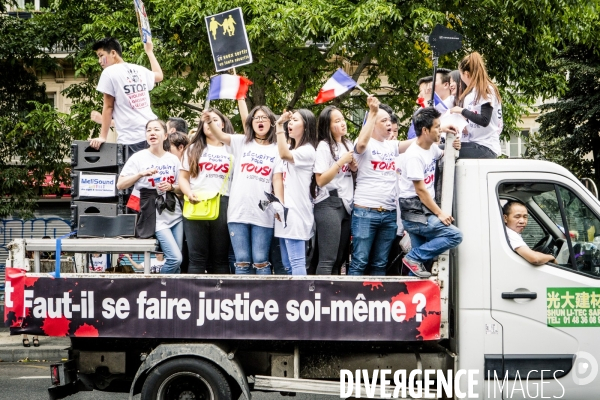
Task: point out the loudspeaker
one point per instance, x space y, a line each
99 186
84 157
100 226
79 208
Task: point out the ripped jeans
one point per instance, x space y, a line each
251 245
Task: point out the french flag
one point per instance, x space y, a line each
439 104
134 200
232 87
336 86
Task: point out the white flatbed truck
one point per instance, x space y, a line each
504 328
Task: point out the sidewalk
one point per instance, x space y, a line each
51 348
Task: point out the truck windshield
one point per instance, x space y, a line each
582 224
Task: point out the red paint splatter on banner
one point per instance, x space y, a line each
56 326
374 285
29 282
429 328
86 330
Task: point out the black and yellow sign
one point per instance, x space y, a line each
228 39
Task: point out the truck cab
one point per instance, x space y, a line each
535 327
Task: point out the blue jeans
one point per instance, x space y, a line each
171 241
293 255
431 239
373 233
251 245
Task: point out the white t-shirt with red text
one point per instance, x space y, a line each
130 85
296 194
418 164
168 171
252 176
488 136
342 182
376 176
98 264
213 166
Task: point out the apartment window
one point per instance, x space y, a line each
516 146
32 4
51 98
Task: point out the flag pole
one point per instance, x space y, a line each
361 89
207 101
435 66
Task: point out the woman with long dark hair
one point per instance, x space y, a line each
154 172
297 150
333 175
255 157
206 168
481 104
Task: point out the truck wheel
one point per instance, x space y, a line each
186 379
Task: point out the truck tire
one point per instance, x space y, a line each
186 379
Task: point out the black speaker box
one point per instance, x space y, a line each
84 157
100 226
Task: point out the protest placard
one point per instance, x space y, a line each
142 19
228 39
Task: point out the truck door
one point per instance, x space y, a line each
550 314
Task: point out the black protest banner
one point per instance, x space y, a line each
228 39
194 307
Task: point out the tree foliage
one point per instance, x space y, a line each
570 126
379 38
382 41
25 154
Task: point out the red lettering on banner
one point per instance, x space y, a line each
383 166
249 167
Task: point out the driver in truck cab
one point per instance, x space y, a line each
515 219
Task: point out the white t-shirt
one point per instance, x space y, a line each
213 166
449 102
488 136
252 176
130 85
155 265
342 182
168 170
296 194
376 177
99 263
399 161
418 164
515 239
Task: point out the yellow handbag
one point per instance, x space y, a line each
207 208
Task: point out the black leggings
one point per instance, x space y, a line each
333 234
208 243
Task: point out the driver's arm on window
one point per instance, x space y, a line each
534 257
